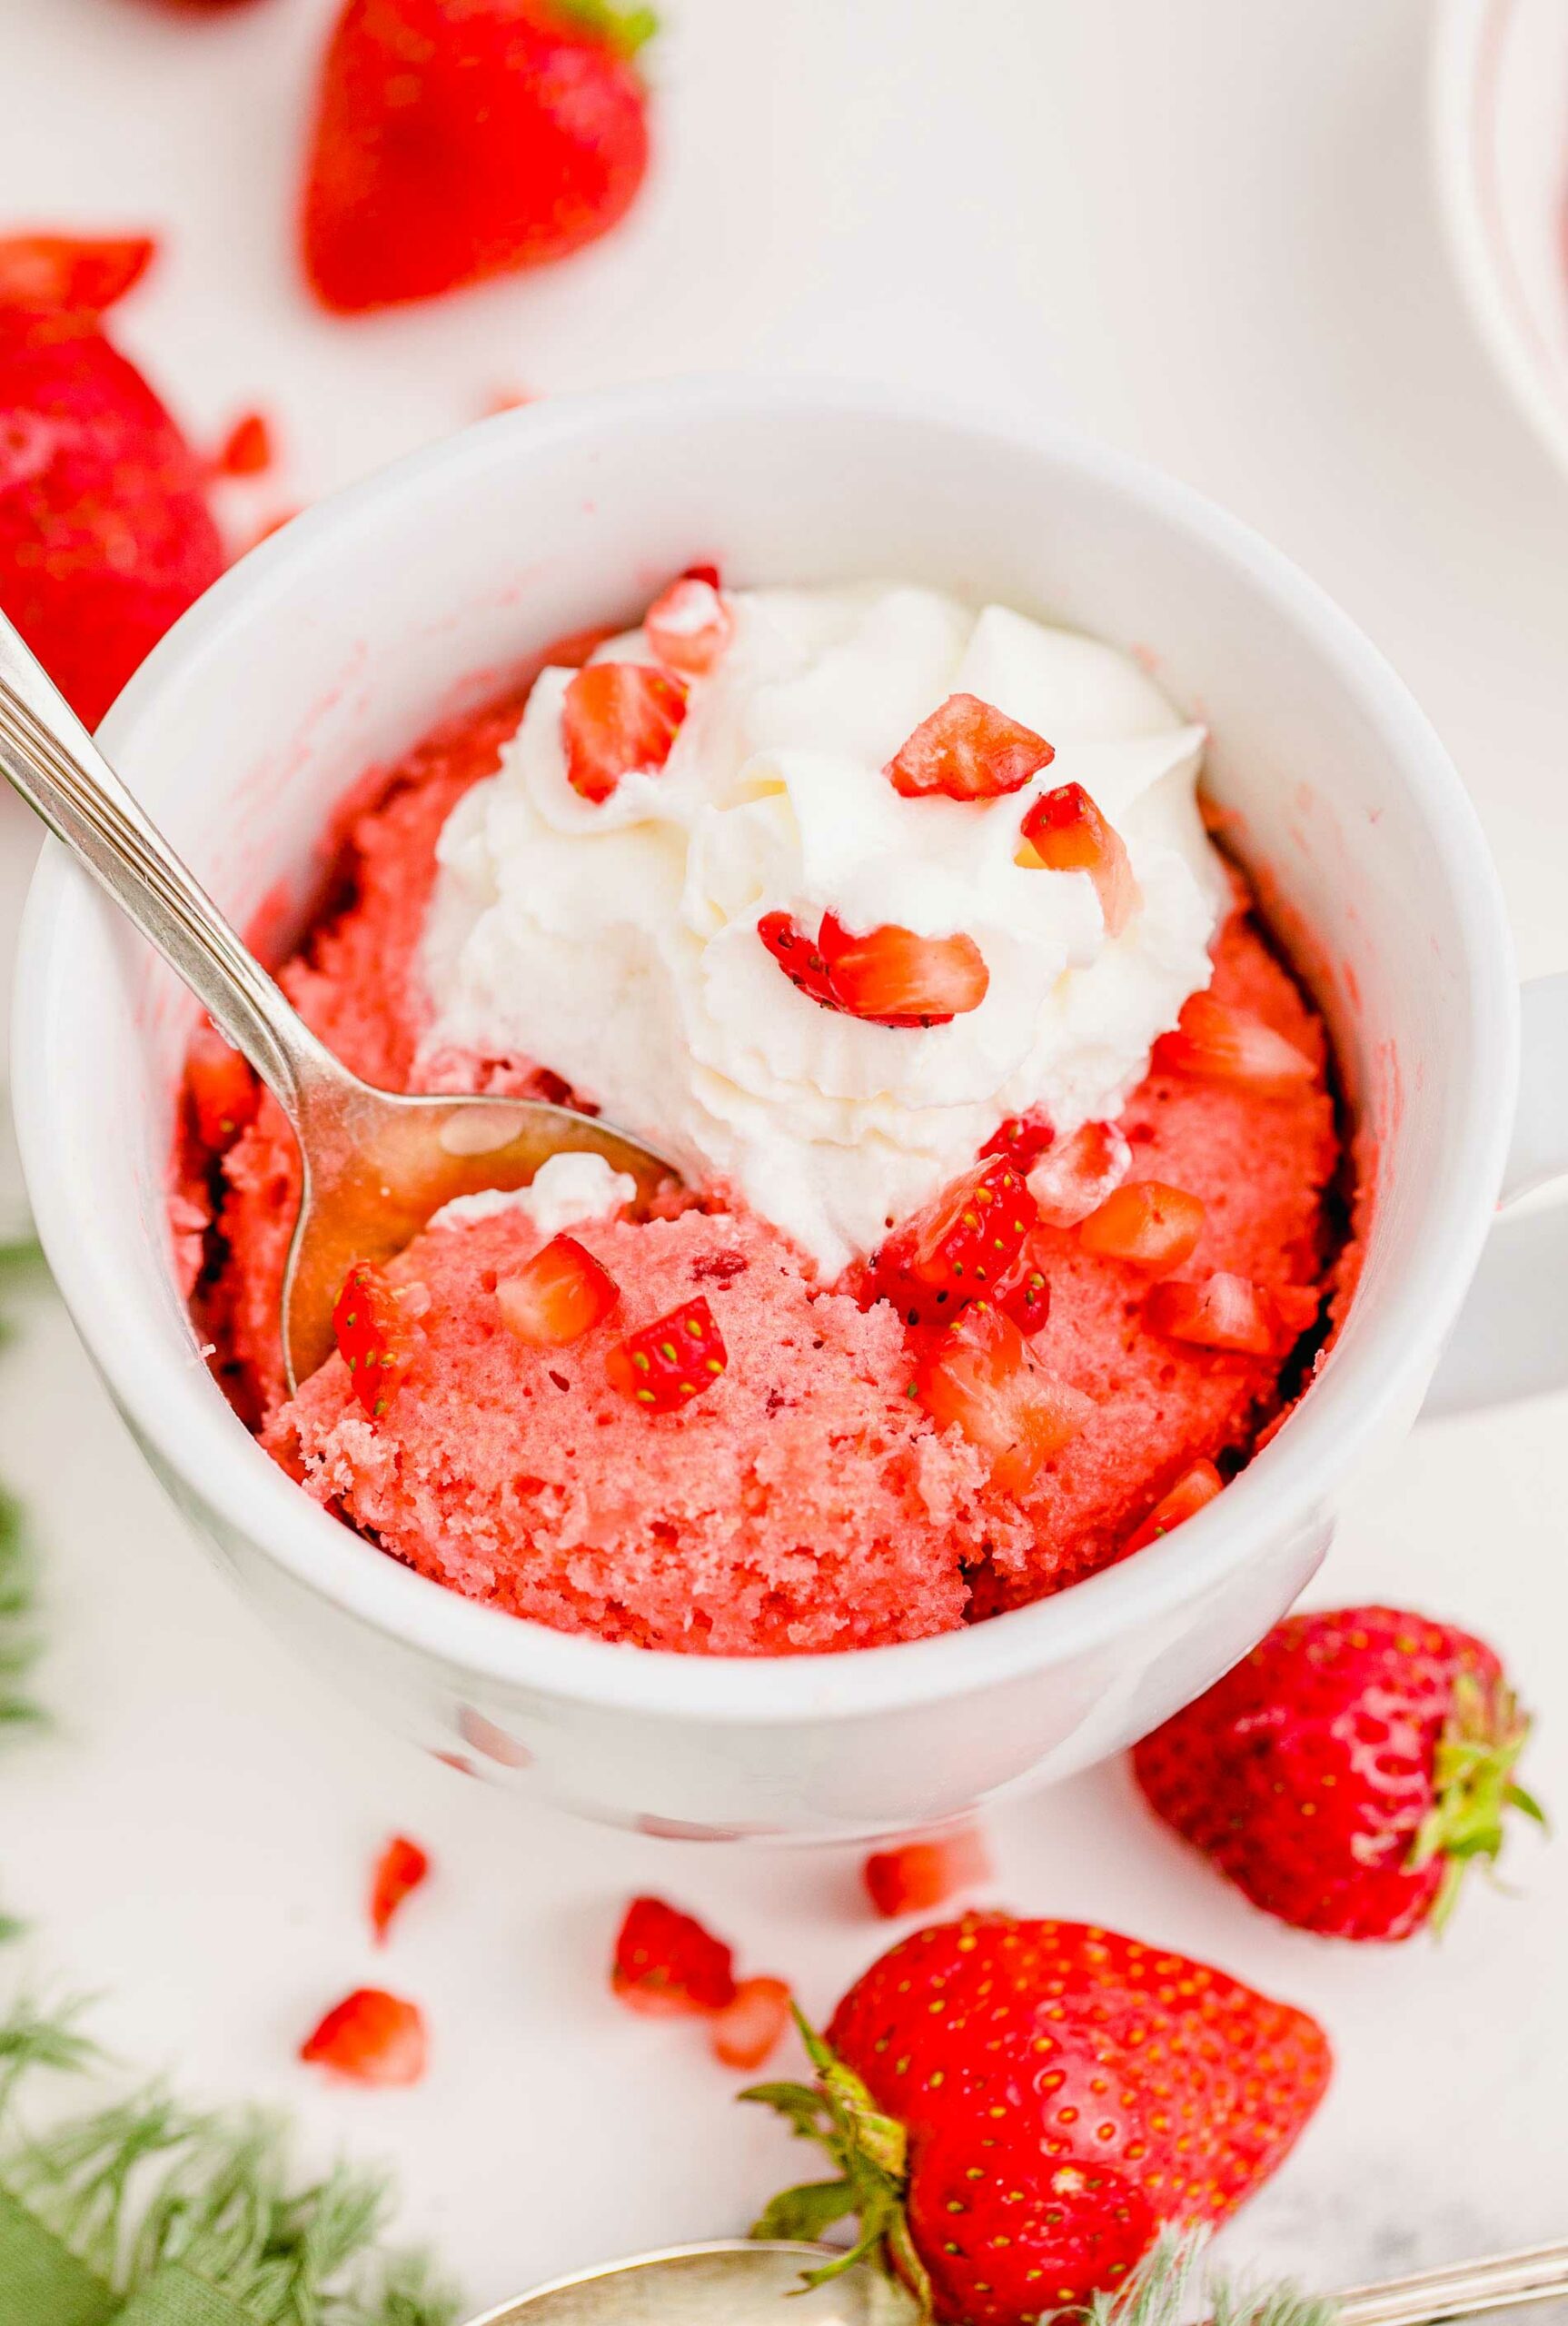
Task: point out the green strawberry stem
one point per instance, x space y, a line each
627 28
1474 1780
869 2150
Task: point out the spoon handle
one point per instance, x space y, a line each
1464 2290
49 757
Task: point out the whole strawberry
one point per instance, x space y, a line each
1347 1772
1017 2108
460 139
105 536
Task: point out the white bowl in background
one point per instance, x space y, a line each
1499 143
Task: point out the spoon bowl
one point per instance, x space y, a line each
733 2281
376 1165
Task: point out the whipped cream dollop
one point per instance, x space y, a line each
618 943
565 1190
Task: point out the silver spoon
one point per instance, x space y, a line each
736 2281
377 1165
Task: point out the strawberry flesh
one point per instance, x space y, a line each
1345 1772
746 2031
74 274
377 1339
969 1242
371 2037
1078 1173
1214 1043
400 1868
1022 1138
688 626
556 1297
247 450
968 749
977 1375
1192 1491
665 1365
666 1966
617 719
923 1874
1146 1223
223 1092
1222 1311
1064 831
893 978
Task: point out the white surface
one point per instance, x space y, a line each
1208 234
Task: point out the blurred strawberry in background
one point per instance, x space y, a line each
105 536
456 140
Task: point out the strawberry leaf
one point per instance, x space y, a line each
807 2212
625 28
1475 1787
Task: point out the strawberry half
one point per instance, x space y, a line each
556 1297
400 1868
377 1339
667 1363
617 719
73 273
968 749
666 1966
979 1377
1078 1173
1192 1491
923 1874
454 142
371 2037
1064 831
1146 1224
1215 1043
1347 1772
222 1090
106 536
746 2033
688 626
1222 1312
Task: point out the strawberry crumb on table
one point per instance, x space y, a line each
825 1483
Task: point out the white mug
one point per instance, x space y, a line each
332 647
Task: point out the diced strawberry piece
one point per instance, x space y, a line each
377 1337
1064 831
968 749
688 626
1079 1173
746 2031
667 1363
1218 1044
400 1868
923 1875
978 1375
557 1296
618 719
247 450
1024 1294
1185 1500
371 2037
798 957
1022 1138
969 1240
1146 1223
667 1966
1221 1312
223 1090
79 274
893 977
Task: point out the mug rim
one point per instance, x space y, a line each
177 1409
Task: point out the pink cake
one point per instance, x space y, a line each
818 1495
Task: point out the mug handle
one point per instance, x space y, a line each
1512 1340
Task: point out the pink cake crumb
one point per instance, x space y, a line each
800 1504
